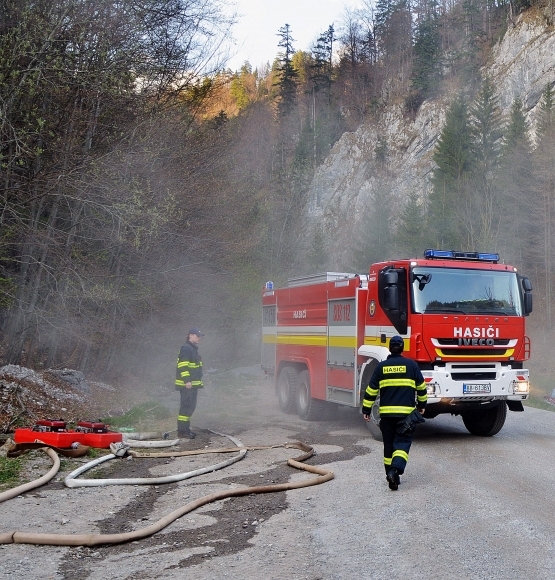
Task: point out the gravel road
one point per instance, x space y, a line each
468 507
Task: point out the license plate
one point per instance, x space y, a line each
476 388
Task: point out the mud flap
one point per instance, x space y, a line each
515 406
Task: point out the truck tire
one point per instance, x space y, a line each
287 385
308 408
486 423
374 423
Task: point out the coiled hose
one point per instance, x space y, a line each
52 452
101 539
11 493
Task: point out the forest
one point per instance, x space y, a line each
147 188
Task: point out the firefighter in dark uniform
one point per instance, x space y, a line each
188 380
402 389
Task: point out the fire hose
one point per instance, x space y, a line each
144 444
120 450
11 493
101 539
52 452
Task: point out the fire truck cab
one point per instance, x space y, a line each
461 315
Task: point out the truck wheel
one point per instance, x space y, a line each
308 408
374 423
287 389
487 422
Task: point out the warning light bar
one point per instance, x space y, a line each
453 255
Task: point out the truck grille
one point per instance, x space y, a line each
473 351
452 347
473 399
455 342
473 376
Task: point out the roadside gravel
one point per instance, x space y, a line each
468 507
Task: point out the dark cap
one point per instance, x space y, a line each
196 331
396 341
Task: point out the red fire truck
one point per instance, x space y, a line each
462 317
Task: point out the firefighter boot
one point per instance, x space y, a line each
186 433
393 478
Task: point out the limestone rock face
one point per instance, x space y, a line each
521 65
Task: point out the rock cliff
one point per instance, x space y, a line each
520 65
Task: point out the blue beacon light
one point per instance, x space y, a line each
455 255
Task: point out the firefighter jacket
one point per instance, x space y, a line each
399 383
189 367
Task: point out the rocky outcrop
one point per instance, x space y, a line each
524 63
521 65
347 173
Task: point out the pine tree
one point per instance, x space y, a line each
411 237
482 216
515 183
393 35
427 51
546 122
317 254
322 66
287 83
544 197
453 157
469 53
321 79
487 127
517 129
383 14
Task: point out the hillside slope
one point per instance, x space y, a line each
521 65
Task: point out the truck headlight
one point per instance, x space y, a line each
432 389
521 385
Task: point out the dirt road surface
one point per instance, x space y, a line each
468 507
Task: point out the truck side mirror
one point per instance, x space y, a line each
528 302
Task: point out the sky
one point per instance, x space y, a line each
256 32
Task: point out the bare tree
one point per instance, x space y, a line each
84 76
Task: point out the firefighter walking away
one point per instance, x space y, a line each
402 390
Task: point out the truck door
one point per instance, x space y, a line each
341 355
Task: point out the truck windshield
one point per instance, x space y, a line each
454 290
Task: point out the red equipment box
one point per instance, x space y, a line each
50 425
66 439
101 440
63 439
91 427
96 434
54 432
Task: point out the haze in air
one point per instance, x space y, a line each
148 186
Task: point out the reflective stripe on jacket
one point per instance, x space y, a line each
189 366
401 387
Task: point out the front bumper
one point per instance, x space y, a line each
445 385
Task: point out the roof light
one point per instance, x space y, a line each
454 255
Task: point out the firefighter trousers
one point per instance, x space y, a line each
396 446
186 409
